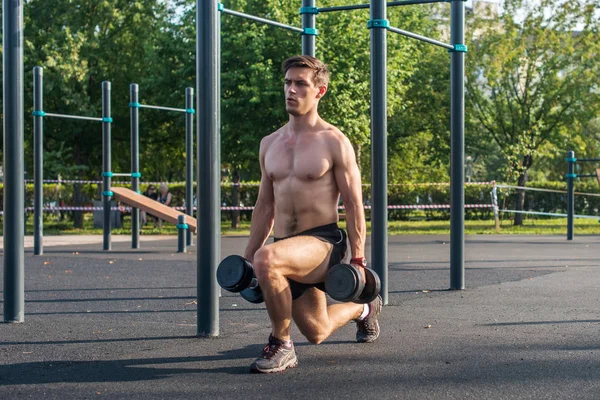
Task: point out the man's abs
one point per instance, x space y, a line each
303 205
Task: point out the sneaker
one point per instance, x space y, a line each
276 357
368 329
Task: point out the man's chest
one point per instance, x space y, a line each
303 161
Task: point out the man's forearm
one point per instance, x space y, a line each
260 228
357 229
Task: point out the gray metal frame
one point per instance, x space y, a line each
571 176
208 189
106 166
134 113
14 188
38 150
457 147
379 171
189 161
134 122
208 140
208 84
38 162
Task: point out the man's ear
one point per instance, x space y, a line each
322 91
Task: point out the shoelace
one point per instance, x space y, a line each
270 350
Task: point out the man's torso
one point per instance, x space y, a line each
305 191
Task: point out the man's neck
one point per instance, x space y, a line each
304 123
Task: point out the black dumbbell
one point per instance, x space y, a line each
345 283
235 274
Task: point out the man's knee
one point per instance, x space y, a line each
316 337
264 263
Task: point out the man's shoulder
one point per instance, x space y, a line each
267 140
333 134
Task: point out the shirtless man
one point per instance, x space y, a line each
305 166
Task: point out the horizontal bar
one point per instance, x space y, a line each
262 20
73 117
587 175
421 38
549 214
181 110
121 174
588 160
389 4
546 190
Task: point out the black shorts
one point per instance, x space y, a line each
330 233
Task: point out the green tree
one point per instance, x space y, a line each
530 80
80 46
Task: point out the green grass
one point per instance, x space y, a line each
532 226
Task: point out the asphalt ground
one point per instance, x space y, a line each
122 324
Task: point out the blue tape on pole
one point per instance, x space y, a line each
309 10
108 174
136 175
182 226
190 111
108 194
459 48
570 175
310 31
571 159
39 114
135 105
220 6
378 23
138 191
107 119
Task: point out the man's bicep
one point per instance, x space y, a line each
265 190
347 174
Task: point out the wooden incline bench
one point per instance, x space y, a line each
598 175
152 207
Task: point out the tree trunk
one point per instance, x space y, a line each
235 199
520 204
77 215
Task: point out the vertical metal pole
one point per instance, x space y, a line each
14 267
106 163
38 162
134 116
309 21
457 148
189 160
181 233
379 212
208 181
570 194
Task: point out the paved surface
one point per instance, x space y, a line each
122 325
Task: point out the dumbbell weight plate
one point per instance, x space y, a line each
372 287
234 274
344 283
253 294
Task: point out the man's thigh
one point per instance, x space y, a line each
304 259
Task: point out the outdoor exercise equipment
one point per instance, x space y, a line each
39 114
208 180
208 88
38 150
571 176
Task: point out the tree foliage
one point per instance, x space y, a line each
531 81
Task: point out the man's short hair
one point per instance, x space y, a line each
318 67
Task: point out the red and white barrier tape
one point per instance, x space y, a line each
250 208
242 184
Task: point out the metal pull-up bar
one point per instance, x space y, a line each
259 19
389 4
421 38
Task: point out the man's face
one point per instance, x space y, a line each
301 94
